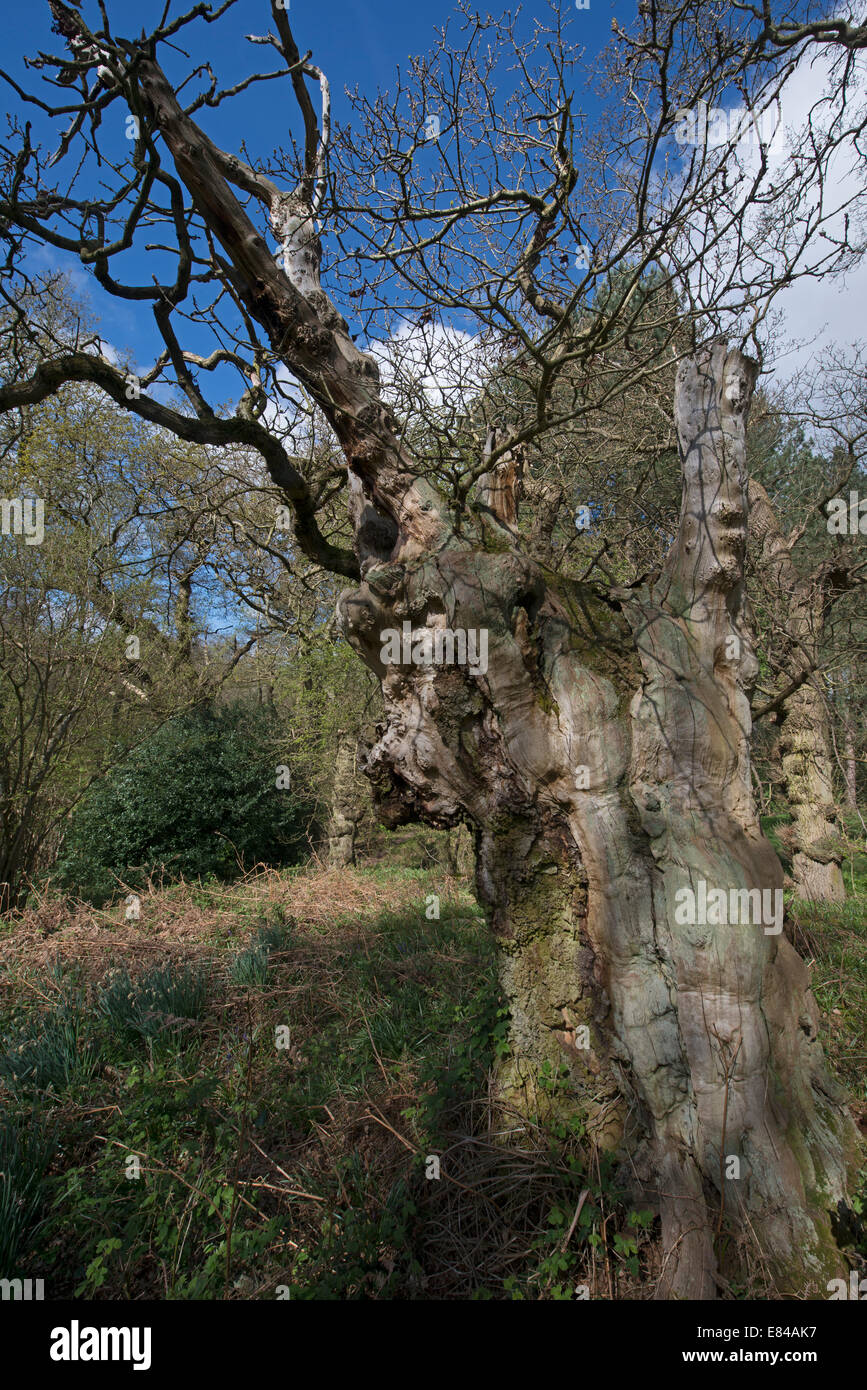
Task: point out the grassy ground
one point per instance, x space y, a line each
248 1093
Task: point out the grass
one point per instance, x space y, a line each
250 1088
832 938
156 1046
51 1052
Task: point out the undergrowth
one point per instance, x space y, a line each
235 1098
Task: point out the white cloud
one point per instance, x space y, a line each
811 313
819 313
431 366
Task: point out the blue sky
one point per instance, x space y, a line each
357 44
354 42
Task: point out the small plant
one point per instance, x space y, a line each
273 936
59 1055
250 967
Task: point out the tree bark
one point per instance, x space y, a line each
806 757
850 758
461 853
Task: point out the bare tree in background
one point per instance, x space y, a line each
806 574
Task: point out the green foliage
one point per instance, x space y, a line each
365 1249
55 1058
591 1215
179 1210
251 966
198 797
196 1223
835 935
479 1028
306 1166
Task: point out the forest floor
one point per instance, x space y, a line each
279 1088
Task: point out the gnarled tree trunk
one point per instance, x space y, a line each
595 807
806 759
851 763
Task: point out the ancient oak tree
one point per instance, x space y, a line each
601 751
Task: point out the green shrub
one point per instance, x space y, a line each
198 797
